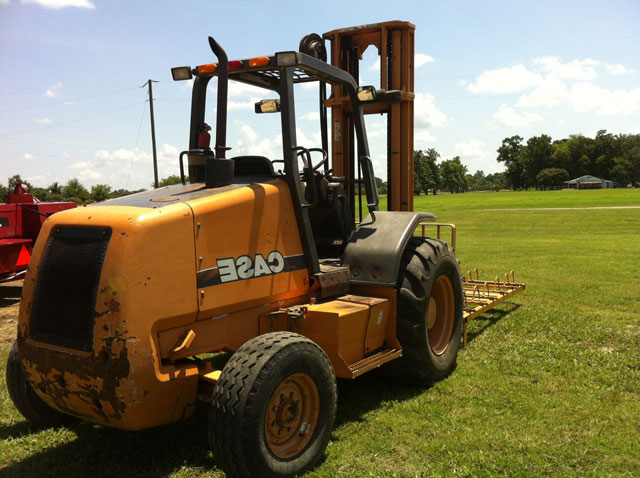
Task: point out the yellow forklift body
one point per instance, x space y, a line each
145 312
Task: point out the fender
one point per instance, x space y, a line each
374 250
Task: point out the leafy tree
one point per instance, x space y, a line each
631 148
452 173
536 156
100 192
551 178
622 172
510 153
55 188
74 191
497 181
477 181
426 175
173 179
381 185
41 194
14 179
124 192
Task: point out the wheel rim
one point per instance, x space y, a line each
441 314
292 415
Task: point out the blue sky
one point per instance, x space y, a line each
71 103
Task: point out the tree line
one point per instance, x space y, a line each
74 191
539 163
449 175
543 163
71 191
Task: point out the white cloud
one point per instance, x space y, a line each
509 117
589 97
427 115
43 120
375 66
476 157
37 180
422 59
242 105
239 90
616 69
578 70
423 137
125 168
5 2
375 127
505 80
313 116
551 91
554 83
249 143
57 4
54 90
28 157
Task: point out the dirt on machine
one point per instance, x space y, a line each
128 303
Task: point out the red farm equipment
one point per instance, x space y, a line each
21 218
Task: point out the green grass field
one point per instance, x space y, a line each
549 384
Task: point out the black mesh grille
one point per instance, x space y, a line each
65 298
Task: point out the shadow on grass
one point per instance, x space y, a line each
99 451
369 392
9 295
479 325
17 430
104 452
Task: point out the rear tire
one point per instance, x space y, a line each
28 403
273 408
430 306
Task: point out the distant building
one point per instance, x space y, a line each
589 182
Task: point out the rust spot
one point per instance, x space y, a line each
96 377
114 307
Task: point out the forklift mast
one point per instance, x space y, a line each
395 43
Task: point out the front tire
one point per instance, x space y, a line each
273 408
28 403
430 306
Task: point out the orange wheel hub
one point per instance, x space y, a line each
441 314
292 415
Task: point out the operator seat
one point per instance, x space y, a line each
331 218
253 166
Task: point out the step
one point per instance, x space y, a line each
374 361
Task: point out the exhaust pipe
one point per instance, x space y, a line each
219 170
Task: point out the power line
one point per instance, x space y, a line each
44 105
136 145
73 121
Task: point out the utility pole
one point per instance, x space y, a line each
153 133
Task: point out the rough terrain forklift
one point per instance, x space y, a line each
125 301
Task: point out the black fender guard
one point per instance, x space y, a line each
374 250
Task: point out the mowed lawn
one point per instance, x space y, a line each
549 384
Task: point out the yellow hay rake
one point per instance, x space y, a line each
480 295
